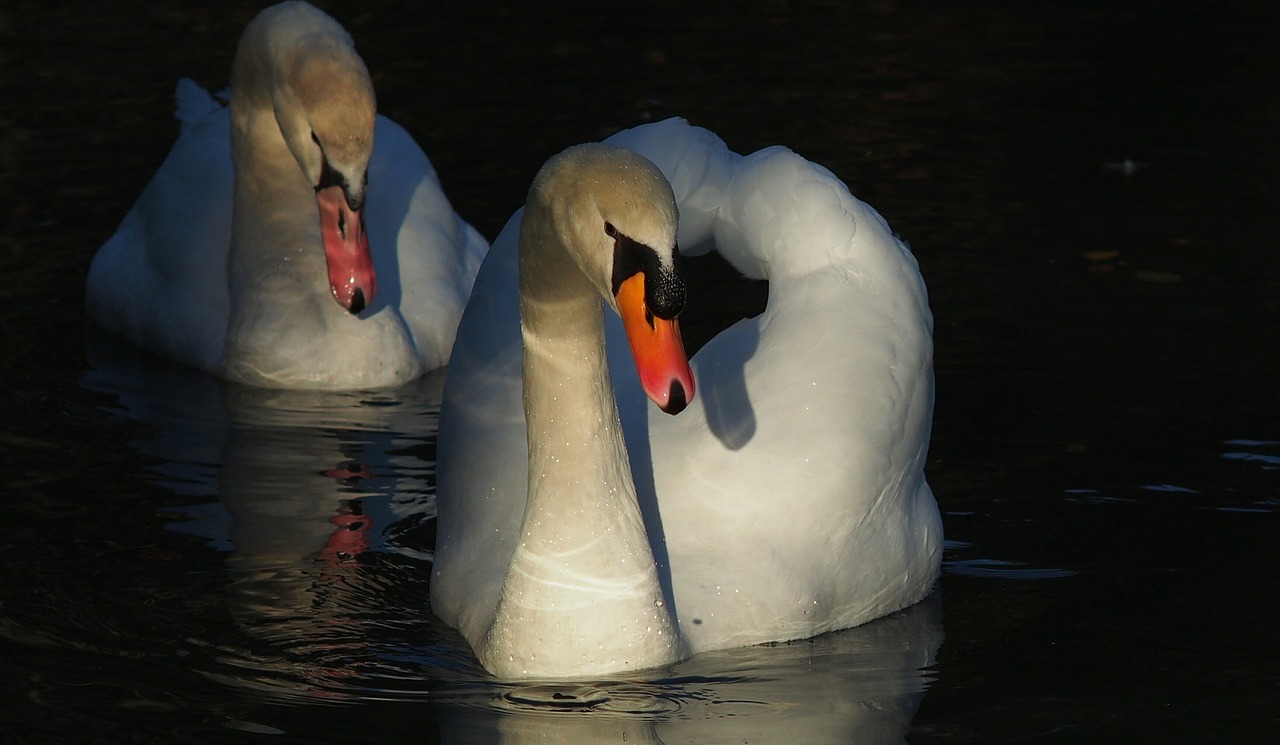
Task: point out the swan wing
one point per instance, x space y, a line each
160 280
426 256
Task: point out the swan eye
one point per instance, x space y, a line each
610 231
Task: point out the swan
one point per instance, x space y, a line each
786 500
268 211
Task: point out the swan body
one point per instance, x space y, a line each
294 239
787 500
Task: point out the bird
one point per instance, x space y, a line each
583 531
293 238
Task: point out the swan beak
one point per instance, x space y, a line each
346 250
657 349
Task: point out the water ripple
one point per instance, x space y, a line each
997 569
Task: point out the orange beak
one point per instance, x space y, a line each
346 250
657 349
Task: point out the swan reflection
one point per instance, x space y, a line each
323 506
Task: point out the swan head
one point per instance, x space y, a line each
617 219
323 101
330 132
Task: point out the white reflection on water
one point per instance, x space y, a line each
318 501
997 569
1247 450
994 568
859 685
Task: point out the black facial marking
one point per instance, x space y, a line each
664 292
329 176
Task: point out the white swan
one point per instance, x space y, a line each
787 500
234 254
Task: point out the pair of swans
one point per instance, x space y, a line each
581 531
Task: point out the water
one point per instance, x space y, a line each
1090 190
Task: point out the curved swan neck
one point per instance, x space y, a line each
571 415
581 596
296 82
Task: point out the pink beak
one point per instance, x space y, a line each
346 250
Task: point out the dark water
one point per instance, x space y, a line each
1091 190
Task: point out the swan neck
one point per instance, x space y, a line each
581 596
566 386
272 195
277 278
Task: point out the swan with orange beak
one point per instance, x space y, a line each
789 500
598 229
